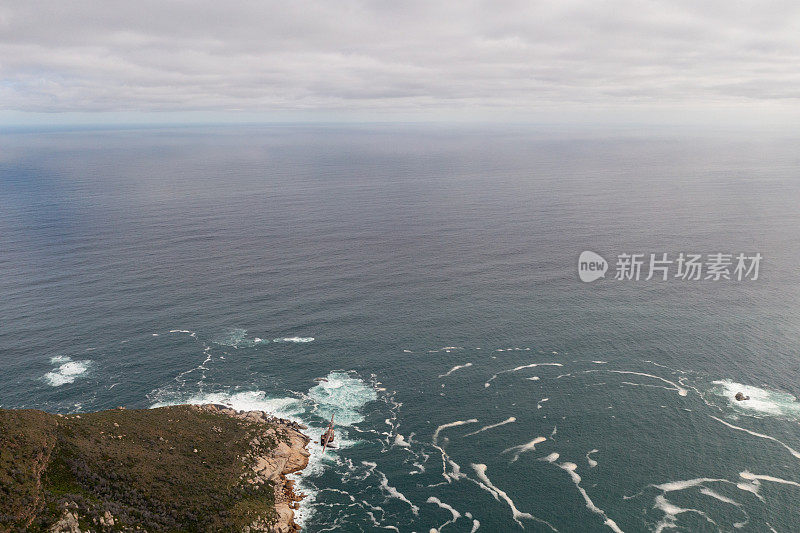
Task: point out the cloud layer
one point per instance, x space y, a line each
415 57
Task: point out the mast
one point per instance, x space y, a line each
328 436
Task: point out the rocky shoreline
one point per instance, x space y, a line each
287 458
185 468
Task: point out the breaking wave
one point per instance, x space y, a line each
237 338
762 402
341 394
65 370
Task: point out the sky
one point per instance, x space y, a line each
95 61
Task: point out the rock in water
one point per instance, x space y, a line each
740 397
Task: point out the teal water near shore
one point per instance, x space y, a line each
429 275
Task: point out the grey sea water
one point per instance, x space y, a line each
430 275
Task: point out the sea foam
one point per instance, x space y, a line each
762 401
341 394
66 371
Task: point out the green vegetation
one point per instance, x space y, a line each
168 469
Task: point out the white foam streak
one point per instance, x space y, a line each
508 420
517 369
592 462
673 486
671 512
571 468
681 390
754 477
718 496
752 487
522 448
486 484
391 491
540 402
293 339
457 367
451 425
440 503
456 515
794 452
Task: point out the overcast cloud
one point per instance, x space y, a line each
397 57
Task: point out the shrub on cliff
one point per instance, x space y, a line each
167 469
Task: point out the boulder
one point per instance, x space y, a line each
68 523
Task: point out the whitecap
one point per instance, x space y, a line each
295 339
66 372
235 338
342 395
762 401
399 440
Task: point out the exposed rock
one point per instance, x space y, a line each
741 397
68 523
170 465
288 456
107 520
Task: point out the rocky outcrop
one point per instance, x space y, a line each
290 455
68 523
177 468
741 397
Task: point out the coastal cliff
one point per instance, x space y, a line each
179 468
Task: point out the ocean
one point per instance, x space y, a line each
420 284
